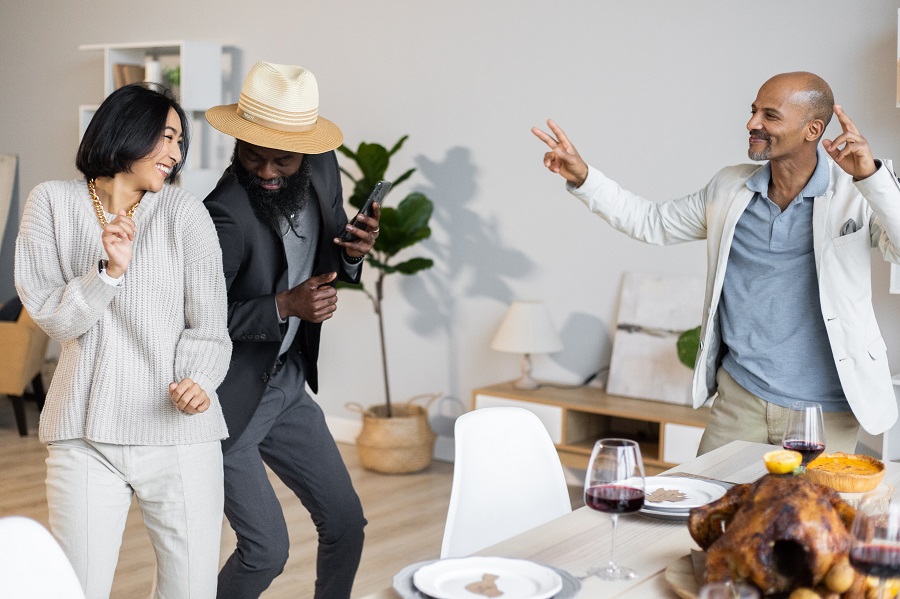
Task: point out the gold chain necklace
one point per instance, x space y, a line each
98 207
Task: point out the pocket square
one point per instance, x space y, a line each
849 227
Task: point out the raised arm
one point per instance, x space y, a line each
65 307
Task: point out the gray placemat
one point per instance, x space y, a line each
403 582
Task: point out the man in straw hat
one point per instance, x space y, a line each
278 210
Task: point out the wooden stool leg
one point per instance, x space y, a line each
19 408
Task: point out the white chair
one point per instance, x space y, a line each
32 564
507 479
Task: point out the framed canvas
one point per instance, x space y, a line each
654 310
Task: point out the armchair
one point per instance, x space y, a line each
22 348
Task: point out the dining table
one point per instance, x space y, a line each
580 540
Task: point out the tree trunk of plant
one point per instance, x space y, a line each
379 284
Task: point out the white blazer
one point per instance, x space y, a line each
842 263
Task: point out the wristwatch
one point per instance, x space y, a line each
101 266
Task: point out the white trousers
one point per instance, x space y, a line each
179 489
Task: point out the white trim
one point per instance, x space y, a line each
445 449
344 430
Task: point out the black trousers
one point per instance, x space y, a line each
288 433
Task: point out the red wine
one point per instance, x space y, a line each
614 499
808 449
882 561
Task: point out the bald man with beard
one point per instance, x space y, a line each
788 312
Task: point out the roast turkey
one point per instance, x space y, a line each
779 533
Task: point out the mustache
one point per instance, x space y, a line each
759 134
255 181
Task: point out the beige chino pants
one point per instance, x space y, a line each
737 414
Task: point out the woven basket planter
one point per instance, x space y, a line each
401 444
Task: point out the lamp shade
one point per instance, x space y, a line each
527 329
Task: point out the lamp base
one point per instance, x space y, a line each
526 382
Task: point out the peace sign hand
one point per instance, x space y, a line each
562 158
856 156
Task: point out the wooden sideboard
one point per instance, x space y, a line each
576 417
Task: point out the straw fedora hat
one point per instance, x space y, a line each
278 108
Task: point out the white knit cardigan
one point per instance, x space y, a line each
122 346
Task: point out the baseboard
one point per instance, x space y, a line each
345 430
445 449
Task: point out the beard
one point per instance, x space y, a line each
276 208
763 154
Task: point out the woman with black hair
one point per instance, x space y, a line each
125 272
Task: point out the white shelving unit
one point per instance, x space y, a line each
200 88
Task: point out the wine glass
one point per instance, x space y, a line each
727 590
804 431
614 483
876 534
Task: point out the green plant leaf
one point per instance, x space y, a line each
414 265
403 177
373 161
398 145
405 225
347 152
376 263
688 344
346 285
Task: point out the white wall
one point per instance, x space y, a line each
655 92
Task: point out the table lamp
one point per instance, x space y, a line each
527 329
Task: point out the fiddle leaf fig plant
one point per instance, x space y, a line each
399 228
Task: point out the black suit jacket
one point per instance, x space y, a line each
255 270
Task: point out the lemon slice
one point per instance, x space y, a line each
782 461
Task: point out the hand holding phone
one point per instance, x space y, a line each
378 192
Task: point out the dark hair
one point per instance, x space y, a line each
128 126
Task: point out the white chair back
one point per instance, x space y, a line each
507 478
32 564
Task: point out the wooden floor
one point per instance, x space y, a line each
406 518
405 513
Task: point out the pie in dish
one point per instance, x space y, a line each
845 472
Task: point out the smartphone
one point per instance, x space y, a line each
378 192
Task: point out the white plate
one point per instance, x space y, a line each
518 579
696 492
665 515
403 582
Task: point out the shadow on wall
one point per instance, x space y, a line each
586 345
469 261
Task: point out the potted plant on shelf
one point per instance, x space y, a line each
688 345
394 438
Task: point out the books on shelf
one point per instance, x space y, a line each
124 74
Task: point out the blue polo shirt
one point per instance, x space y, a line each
770 316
